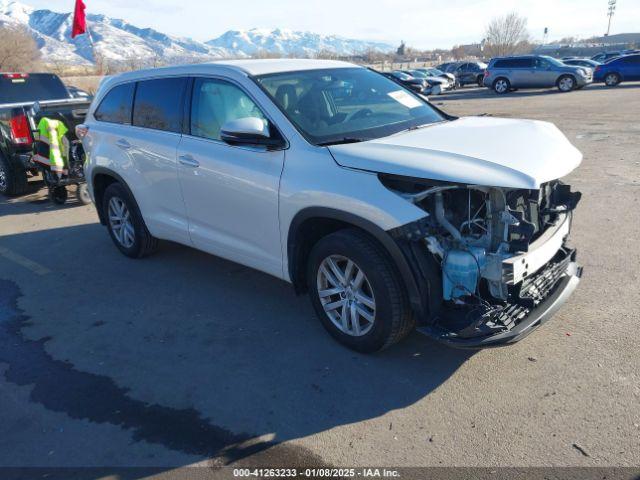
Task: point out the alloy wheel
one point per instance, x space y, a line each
611 80
346 295
566 84
501 86
120 222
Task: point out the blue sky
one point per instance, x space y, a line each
420 23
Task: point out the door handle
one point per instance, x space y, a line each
123 144
188 161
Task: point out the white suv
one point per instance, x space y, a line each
389 212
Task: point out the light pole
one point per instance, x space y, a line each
610 11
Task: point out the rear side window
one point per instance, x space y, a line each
158 104
514 63
116 105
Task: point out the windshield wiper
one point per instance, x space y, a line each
343 140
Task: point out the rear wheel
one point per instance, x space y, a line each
566 83
125 223
357 292
13 177
611 79
480 80
501 85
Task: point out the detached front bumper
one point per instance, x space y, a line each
555 283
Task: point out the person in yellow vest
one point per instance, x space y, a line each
53 147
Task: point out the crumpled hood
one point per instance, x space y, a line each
489 151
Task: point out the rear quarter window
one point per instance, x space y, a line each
115 107
159 104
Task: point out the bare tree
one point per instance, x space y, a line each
458 52
18 50
506 35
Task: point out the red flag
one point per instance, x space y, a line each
79 20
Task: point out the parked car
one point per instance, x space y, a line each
437 84
418 85
390 213
444 67
620 69
469 73
582 62
534 71
434 72
604 56
19 93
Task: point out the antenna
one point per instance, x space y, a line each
610 11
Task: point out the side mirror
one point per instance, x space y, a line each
248 131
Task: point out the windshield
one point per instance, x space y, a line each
434 71
417 74
15 88
346 104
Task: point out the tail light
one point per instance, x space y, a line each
598 68
486 73
16 76
20 130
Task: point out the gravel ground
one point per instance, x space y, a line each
184 358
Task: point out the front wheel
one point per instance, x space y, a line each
611 79
357 292
566 83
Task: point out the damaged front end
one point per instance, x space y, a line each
493 262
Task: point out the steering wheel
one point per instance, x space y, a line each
362 113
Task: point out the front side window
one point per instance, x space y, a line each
159 104
116 105
340 105
216 102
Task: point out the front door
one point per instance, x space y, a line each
230 192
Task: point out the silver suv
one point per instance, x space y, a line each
534 71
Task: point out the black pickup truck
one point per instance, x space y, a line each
24 99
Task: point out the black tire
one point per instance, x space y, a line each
501 85
393 318
58 195
13 177
612 79
82 193
480 80
565 80
144 243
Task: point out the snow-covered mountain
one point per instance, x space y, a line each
118 41
289 42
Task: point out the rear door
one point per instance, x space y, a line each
231 192
522 72
151 145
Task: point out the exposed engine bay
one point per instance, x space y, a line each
495 253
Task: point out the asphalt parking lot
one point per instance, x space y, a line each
184 358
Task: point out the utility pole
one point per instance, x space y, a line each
610 11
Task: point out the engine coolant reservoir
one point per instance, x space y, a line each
461 271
